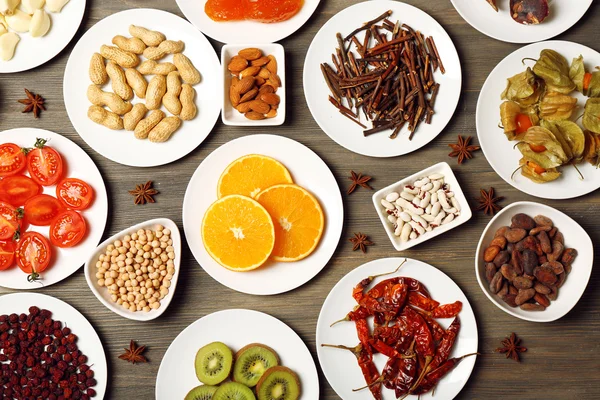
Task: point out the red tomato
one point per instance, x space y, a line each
7 254
74 194
44 164
523 123
42 209
9 221
33 254
17 189
12 159
67 229
587 79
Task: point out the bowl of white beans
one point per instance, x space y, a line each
134 273
422 206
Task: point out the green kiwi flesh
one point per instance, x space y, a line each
203 392
278 383
251 363
233 391
213 363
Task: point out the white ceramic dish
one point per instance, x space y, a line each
229 115
307 170
236 328
449 178
340 366
32 52
345 132
500 153
244 31
87 339
576 282
122 146
77 165
499 25
102 293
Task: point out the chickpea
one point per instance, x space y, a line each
130 297
132 308
114 274
125 304
146 309
120 301
164 291
120 283
167 283
122 290
101 282
155 306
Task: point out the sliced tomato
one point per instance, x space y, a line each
67 229
44 164
74 194
9 221
523 123
42 209
12 159
7 254
33 254
17 189
587 79
537 148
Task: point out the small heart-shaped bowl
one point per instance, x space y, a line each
102 293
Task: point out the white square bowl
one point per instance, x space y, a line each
449 178
229 114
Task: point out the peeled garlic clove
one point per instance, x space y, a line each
31 5
55 6
19 21
40 23
7 7
8 43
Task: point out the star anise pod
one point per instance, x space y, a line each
487 202
33 103
134 354
358 180
511 347
360 241
143 193
462 149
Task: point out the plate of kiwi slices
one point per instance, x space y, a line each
216 358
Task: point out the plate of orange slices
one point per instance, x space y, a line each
273 220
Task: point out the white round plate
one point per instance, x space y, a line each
307 170
345 132
500 25
77 165
87 339
32 52
239 32
236 328
500 153
575 237
340 366
122 146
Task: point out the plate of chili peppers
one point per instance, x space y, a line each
415 330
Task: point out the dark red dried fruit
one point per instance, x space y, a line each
529 12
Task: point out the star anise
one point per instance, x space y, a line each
487 202
143 193
511 347
360 241
462 149
358 180
33 103
134 354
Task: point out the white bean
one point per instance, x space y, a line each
439 218
413 235
429 228
425 201
442 199
419 220
405 216
402 202
451 210
428 209
425 180
407 196
455 203
450 194
406 231
387 204
415 209
434 198
436 186
428 217
392 218
411 189
427 187
416 201
419 183
449 218
417 227
435 210
392 197
398 230
435 176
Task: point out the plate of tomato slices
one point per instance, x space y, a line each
53 208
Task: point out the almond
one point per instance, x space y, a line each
250 71
264 73
259 106
245 84
234 96
274 81
244 107
250 53
253 115
260 81
237 64
266 89
272 113
270 98
272 64
261 61
249 95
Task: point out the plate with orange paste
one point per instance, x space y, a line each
248 21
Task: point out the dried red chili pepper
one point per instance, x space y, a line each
443 350
436 329
358 292
422 302
414 285
447 310
433 377
424 345
407 370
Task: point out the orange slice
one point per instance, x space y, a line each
251 174
298 220
238 233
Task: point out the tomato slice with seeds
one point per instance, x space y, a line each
523 123
42 209
9 221
33 254
44 164
17 189
7 254
74 193
67 229
12 159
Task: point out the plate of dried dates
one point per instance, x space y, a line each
534 262
521 21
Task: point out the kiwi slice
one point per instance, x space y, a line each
203 392
213 363
252 361
278 383
233 391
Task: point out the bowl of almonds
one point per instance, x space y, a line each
534 262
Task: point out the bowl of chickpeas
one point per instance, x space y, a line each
134 273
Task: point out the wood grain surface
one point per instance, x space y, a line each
563 357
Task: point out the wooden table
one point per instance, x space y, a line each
563 356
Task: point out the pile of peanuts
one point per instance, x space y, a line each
137 271
421 207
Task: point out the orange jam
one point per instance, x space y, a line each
266 11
